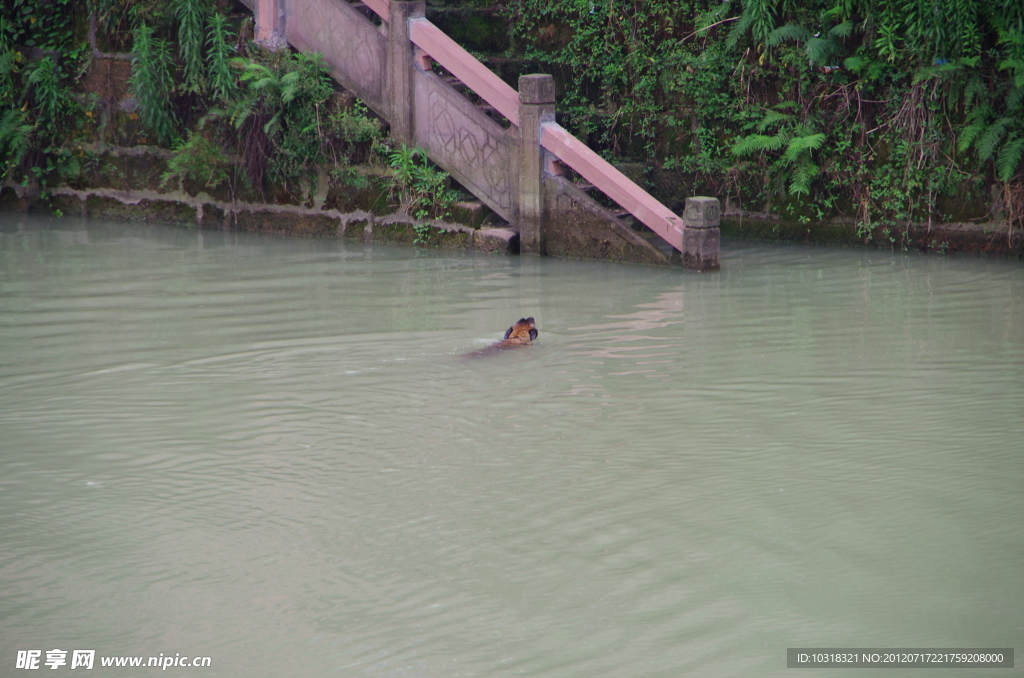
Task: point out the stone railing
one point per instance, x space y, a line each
516 171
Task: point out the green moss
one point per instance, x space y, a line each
778 230
356 230
284 223
67 205
468 214
405 233
369 195
161 211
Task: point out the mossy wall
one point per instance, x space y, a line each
120 177
126 184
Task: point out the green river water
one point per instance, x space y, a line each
276 454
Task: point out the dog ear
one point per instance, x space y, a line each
508 333
528 320
533 334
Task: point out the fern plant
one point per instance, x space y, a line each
821 47
152 83
1000 140
422 189
1013 44
272 91
1009 158
9 89
758 17
791 147
191 17
198 160
15 140
222 82
278 114
52 99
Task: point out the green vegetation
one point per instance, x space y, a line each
422 189
234 113
192 17
198 160
39 117
893 111
273 113
152 83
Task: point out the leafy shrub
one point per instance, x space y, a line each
928 95
191 18
198 160
152 83
39 117
222 82
423 190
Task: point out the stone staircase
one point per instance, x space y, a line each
502 145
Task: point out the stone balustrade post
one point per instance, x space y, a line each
536 106
270 18
400 93
701 238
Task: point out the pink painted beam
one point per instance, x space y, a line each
466 68
614 183
381 7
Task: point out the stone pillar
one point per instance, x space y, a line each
536 106
701 239
269 29
399 86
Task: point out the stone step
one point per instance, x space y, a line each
656 240
470 212
490 239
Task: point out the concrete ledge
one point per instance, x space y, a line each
400 228
497 240
470 213
203 211
285 223
993 238
144 209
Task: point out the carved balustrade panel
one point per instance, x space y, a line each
351 45
466 143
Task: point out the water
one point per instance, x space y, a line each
274 453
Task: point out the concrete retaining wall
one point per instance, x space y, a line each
124 184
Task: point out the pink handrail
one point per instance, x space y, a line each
554 137
458 62
614 183
381 7
466 68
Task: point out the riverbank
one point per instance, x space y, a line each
125 184
247 160
975 231
989 238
